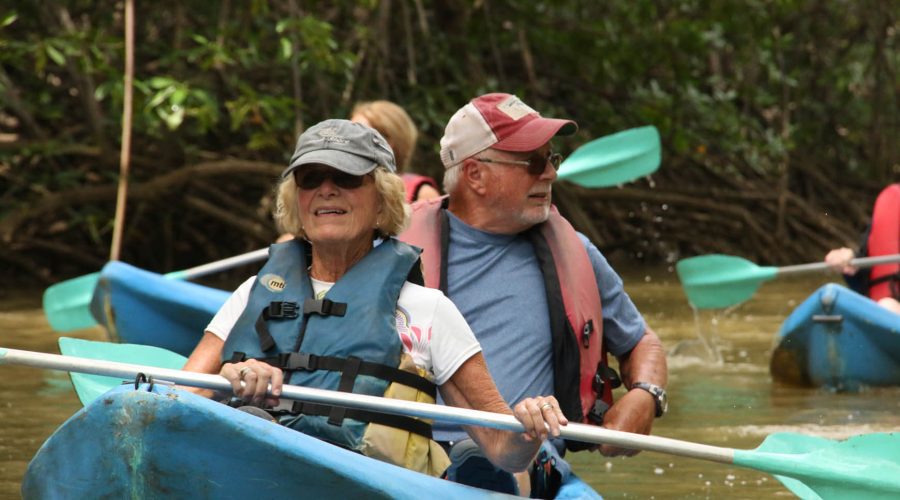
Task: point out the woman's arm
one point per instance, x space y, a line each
472 387
205 358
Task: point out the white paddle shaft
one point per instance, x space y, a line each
221 265
861 262
573 431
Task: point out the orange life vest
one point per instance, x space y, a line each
414 182
884 239
568 274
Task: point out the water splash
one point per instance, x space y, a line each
706 346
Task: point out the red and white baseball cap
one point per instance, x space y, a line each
499 121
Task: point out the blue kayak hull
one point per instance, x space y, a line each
838 339
141 307
167 443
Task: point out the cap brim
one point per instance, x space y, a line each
340 160
536 133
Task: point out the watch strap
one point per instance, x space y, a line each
658 393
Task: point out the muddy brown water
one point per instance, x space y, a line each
720 393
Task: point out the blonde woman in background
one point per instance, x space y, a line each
398 128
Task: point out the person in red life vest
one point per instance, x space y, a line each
394 123
337 308
531 288
880 283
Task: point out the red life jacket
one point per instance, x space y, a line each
569 276
884 239
414 182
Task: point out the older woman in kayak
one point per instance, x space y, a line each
338 308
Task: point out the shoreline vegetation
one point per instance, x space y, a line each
776 121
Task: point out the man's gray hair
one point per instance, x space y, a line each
451 177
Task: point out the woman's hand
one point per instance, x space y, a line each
541 417
250 381
839 260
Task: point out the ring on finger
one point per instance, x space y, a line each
244 371
546 406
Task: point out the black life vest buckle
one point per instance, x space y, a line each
595 416
324 307
293 361
603 375
280 310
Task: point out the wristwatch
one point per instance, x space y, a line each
659 396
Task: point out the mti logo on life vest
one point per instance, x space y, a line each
273 282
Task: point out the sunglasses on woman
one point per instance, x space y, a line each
535 164
313 178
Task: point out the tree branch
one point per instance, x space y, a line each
155 188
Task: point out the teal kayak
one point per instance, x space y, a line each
141 307
160 442
838 339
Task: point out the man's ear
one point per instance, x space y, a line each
475 175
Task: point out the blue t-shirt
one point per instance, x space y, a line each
495 281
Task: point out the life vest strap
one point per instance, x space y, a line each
289 310
408 424
275 310
295 361
443 283
348 378
894 282
563 340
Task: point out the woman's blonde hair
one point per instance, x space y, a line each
391 221
394 124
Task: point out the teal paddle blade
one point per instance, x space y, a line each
865 466
90 387
65 303
715 281
614 159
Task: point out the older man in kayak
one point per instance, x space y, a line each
336 308
531 287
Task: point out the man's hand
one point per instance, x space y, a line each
633 412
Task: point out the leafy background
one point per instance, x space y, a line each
779 118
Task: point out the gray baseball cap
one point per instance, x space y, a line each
347 146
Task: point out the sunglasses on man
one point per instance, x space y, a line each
312 178
535 164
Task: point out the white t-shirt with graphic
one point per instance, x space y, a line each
431 328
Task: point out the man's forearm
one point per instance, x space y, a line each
646 362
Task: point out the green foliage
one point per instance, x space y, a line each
172 101
747 88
